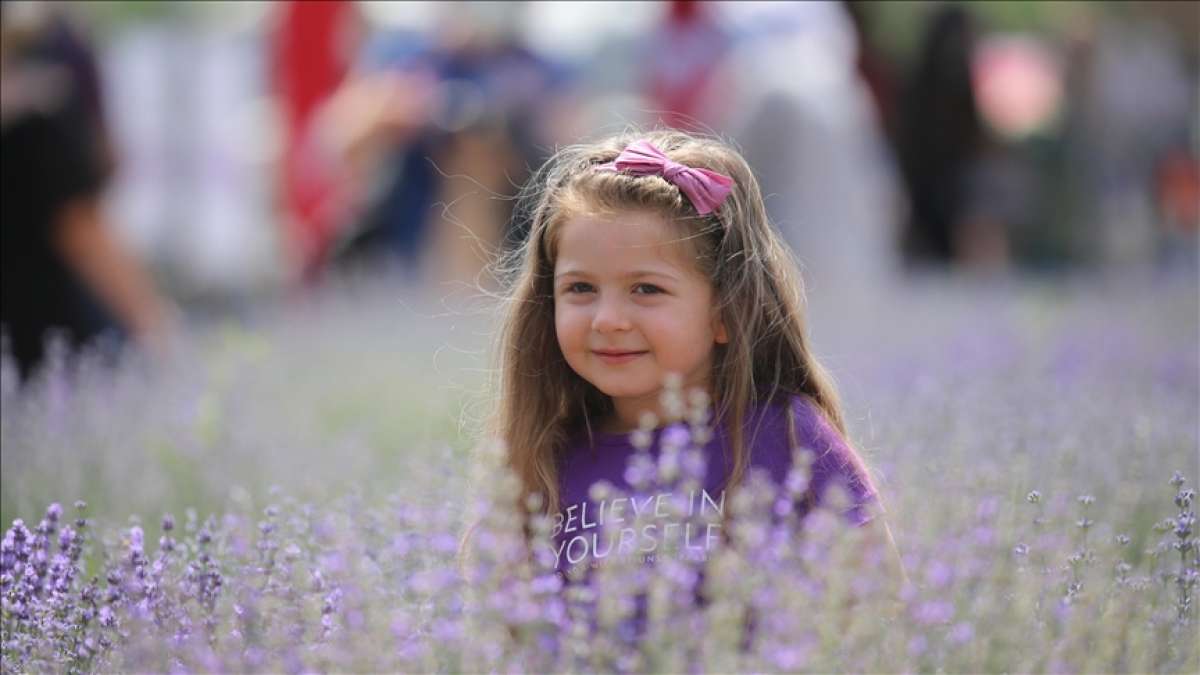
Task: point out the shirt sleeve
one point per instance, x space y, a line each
835 463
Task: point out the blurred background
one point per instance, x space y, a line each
316 189
167 161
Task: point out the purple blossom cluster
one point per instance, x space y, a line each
351 587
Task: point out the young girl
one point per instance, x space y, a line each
651 256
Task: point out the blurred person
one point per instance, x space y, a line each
471 110
804 118
1018 85
1177 192
1131 121
681 56
941 140
651 256
873 65
65 269
312 47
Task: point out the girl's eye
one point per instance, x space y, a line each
578 287
647 289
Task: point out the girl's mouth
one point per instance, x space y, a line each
617 358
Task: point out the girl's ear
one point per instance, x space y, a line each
720 335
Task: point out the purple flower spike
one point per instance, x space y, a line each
934 612
66 538
676 436
962 632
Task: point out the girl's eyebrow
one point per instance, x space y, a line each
651 273
631 275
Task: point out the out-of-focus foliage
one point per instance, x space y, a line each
363 389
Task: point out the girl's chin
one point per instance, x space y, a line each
629 395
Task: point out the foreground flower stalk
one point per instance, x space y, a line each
298 589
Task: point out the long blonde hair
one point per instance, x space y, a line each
541 401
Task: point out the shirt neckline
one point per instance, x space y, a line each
615 439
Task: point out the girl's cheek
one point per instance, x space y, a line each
560 325
569 323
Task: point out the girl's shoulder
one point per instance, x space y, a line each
792 422
814 430
830 457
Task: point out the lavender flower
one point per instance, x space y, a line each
952 413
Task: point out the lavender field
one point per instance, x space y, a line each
288 492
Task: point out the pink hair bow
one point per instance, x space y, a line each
706 189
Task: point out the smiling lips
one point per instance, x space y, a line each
614 357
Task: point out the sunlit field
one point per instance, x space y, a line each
287 492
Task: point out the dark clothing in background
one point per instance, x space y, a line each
939 137
52 155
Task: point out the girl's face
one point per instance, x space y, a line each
630 306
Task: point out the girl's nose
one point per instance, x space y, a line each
610 317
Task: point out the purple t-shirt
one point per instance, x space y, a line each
578 537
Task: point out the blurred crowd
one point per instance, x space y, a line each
129 157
